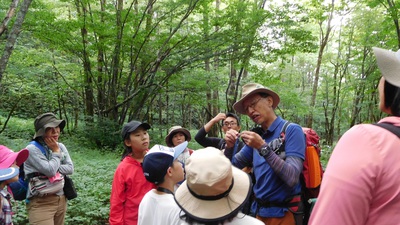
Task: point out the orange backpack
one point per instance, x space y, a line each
312 173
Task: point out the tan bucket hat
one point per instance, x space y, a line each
252 88
389 65
173 130
213 189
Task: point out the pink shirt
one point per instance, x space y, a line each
361 184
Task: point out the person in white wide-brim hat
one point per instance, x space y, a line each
361 183
214 191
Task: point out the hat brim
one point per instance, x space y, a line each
389 65
179 149
22 156
209 211
8 173
17 157
132 126
56 123
168 138
238 106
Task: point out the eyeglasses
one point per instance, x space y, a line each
227 124
252 105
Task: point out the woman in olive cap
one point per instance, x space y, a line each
47 158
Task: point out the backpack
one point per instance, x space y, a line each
19 189
312 173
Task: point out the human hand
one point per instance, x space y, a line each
219 117
252 139
230 138
52 144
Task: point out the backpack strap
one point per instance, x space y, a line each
282 135
283 131
39 146
390 127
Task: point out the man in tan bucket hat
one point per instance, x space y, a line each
277 186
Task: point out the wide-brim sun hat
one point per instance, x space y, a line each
214 189
8 157
8 173
176 129
132 126
44 121
158 159
389 65
252 88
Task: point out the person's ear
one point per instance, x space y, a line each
127 142
169 171
270 101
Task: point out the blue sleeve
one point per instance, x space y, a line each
244 158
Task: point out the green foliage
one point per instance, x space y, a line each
103 133
326 151
17 129
93 176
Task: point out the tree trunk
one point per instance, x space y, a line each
88 79
323 43
12 38
394 14
9 15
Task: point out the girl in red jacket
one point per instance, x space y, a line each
129 184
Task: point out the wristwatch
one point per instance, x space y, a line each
264 150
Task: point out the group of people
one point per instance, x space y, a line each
173 184
359 186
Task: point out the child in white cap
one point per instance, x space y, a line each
161 167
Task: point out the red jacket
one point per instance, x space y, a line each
128 188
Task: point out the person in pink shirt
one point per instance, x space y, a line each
129 184
361 183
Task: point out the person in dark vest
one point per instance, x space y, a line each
229 121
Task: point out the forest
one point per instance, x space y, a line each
99 64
